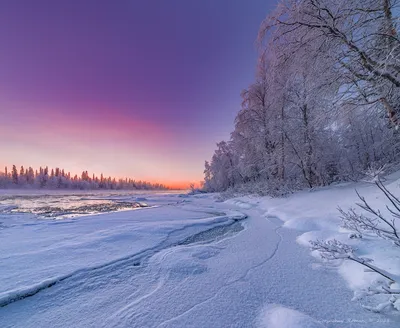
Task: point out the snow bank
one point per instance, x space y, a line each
276 316
36 254
181 265
315 215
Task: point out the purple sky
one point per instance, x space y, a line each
173 67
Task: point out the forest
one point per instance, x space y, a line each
324 105
60 179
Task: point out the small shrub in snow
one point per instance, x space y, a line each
371 221
373 173
355 235
374 221
334 250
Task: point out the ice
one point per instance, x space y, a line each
181 262
64 206
48 252
4 208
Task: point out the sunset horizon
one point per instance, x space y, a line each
200 163
173 185
98 86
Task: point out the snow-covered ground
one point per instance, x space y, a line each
316 216
184 261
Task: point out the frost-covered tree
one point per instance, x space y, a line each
14 174
324 101
362 37
30 177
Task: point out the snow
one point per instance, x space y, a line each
184 262
275 316
46 252
315 214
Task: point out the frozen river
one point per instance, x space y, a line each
160 260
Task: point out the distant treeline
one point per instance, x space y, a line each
59 179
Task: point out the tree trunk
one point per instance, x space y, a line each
282 174
391 112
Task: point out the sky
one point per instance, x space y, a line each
129 88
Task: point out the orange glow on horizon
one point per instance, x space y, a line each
107 143
173 185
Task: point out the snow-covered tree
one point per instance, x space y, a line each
324 101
